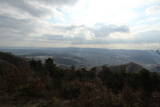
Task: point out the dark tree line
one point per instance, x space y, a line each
48 85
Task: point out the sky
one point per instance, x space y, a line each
113 24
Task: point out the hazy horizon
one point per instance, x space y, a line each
27 47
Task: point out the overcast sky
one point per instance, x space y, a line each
116 24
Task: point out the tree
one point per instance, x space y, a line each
50 66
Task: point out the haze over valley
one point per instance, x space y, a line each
90 57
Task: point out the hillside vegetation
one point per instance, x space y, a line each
31 83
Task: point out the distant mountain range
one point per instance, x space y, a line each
90 57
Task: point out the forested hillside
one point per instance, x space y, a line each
33 83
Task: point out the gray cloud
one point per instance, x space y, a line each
147 37
24 6
58 2
16 30
34 7
102 30
17 18
85 35
53 37
141 37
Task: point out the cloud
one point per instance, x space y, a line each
58 2
23 20
147 37
24 7
101 30
153 10
26 22
11 28
33 8
84 35
18 23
